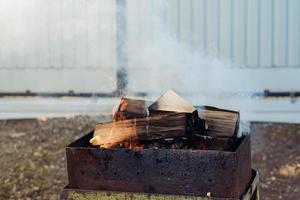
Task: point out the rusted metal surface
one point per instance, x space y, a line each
165 171
252 193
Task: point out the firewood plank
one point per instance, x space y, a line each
172 102
221 123
131 108
155 127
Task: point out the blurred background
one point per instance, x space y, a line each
65 64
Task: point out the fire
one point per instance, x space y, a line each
130 142
127 131
119 130
134 144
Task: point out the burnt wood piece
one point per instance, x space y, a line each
195 126
197 143
221 123
151 128
165 171
131 108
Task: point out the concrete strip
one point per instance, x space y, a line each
252 109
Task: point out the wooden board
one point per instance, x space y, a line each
221 123
155 127
172 102
131 108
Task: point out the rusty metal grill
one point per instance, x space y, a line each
163 171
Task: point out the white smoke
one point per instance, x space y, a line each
82 33
157 60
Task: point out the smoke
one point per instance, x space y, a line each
166 63
161 53
159 60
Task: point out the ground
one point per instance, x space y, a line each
33 163
276 155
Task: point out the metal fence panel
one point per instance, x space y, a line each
80 33
62 35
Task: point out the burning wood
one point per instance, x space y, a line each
109 134
169 122
131 108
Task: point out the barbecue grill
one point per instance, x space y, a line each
118 173
252 193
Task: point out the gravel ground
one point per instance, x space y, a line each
33 164
276 155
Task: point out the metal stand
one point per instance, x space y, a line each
69 194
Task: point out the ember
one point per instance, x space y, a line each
169 122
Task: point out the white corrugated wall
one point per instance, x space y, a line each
251 33
61 45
